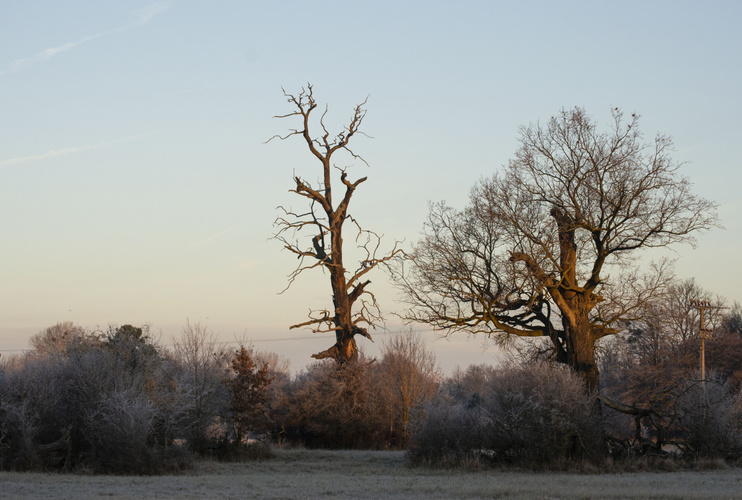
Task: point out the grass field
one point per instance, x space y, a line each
369 475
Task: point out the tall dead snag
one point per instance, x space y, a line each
545 248
354 307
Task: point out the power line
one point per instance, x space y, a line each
236 342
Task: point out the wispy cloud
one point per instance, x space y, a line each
212 237
143 16
67 151
195 89
146 14
45 54
44 156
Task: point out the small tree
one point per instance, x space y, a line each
354 308
56 339
412 373
204 364
249 387
531 254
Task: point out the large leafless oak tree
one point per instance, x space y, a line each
545 247
354 307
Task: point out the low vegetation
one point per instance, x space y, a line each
528 415
118 402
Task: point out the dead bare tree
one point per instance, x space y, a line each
325 219
532 253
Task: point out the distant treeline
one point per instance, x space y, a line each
117 402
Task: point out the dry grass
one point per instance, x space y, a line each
363 474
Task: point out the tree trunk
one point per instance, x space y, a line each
347 350
581 349
575 305
581 358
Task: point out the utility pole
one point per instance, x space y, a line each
703 306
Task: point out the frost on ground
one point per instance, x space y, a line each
372 475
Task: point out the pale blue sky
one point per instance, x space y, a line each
135 185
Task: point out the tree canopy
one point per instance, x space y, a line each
545 247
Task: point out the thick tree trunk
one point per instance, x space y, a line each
345 349
581 349
581 358
575 304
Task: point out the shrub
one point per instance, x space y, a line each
20 427
531 415
330 407
409 372
92 403
119 431
710 420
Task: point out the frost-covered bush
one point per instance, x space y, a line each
120 432
93 402
710 419
200 393
540 413
529 415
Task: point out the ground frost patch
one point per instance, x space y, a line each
369 475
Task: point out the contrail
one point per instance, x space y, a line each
213 236
66 151
143 16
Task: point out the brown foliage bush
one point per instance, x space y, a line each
331 407
368 404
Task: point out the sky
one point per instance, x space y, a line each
136 185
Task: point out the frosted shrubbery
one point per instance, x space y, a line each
96 402
529 414
709 419
115 402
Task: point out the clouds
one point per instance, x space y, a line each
143 16
44 156
45 54
67 151
148 13
212 237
